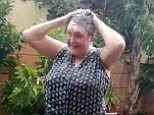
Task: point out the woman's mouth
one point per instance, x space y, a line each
73 46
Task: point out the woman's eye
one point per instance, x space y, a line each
69 34
78 36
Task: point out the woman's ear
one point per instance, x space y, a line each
91 38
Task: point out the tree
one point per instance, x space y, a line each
58 8
135 20
10 39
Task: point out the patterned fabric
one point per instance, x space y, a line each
74 90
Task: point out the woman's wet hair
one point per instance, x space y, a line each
84 19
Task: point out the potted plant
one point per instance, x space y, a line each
112 103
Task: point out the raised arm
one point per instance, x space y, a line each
114 43
37 37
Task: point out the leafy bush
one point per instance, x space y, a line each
10 39
112 101
24 93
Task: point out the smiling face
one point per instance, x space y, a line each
78 39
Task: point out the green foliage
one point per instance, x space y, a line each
96 6
58 7
10 39
58 34
10 63
146 82
111 99
133 19
98 41
44 65
140 113
23 94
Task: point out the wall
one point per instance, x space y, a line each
26 13
119 79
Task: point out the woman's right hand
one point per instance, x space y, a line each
95 20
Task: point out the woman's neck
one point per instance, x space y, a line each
81 55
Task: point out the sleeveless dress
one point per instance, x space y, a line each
74 90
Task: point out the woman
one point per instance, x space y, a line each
79 77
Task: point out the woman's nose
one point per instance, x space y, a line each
71 39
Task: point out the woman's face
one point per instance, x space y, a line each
78 39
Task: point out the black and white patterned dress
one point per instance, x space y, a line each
74 90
